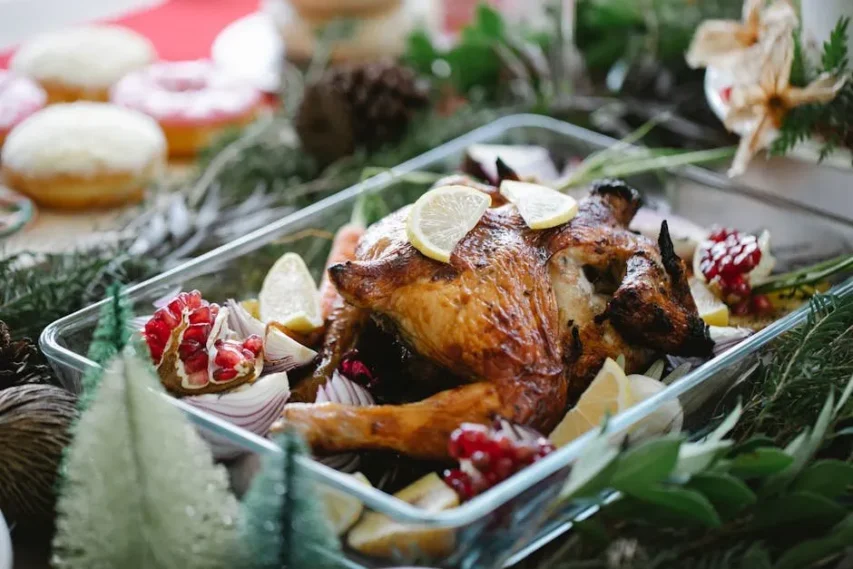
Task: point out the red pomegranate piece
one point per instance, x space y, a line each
729 259
187 369
488 457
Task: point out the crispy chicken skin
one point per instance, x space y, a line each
518 312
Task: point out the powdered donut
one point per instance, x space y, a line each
19 98
82 63
82 155
192 100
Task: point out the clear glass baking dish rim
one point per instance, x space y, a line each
487 502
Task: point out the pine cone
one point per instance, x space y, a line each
20 362
358 106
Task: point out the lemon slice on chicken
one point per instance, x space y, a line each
711 309
442 217
608 394
289 296
540 206
342 509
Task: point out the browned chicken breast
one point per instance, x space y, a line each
525 317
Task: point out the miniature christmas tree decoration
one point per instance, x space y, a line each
141 490
284 524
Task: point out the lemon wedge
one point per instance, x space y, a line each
442 217
711 309
252 306
609 393
380 536
342 509
289 296
540 207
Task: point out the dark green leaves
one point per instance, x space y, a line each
798 508
809 552
828 478
643 466
728 494
688 504
760 462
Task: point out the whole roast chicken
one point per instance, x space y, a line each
523 318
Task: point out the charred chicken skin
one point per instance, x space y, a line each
525 317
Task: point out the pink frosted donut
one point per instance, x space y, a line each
193 101
19 98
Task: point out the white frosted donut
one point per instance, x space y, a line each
83 155
192 100
19 98
82 62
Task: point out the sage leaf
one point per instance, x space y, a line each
751 444
727 425
590 473
646 464
688 504
798 508
728 494
760 462
698 457
829 478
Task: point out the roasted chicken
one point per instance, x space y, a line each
524 318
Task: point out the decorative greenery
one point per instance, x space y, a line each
141 490
39 288
284 523
832 122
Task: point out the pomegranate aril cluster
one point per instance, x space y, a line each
488 456
158 330
728 261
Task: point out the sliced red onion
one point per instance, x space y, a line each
341 390
518 433
254 407
283 353
727 337
138 323
241 321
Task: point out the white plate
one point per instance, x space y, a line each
251 47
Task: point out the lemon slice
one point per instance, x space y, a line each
442 217
252 306
609 393
711 309
380 536
342 509
540 206
289 296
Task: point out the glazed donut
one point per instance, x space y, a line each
19 98
83 155
82 63
194 101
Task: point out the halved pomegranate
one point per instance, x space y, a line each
196 352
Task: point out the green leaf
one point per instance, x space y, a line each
749 445
646 464
756 557
697 457
847 431
726 425
728 494
845 395
760 462
593 531
688 504
489 22
420 52
800 508
829 478
592 471
809 552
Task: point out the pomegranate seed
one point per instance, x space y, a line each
461 482
481 460
200 315
730 257
504 468
224 374
176 306
197 332
227 355
466 439
193 299
737 286
720 234
254 344
356 370
169 319
188 348
197 362
155 347
760 304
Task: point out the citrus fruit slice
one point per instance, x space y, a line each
289 295
711 309
609 393
252 307
540 206
669 417
380 536
442 217
342 509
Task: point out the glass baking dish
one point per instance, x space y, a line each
516 517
